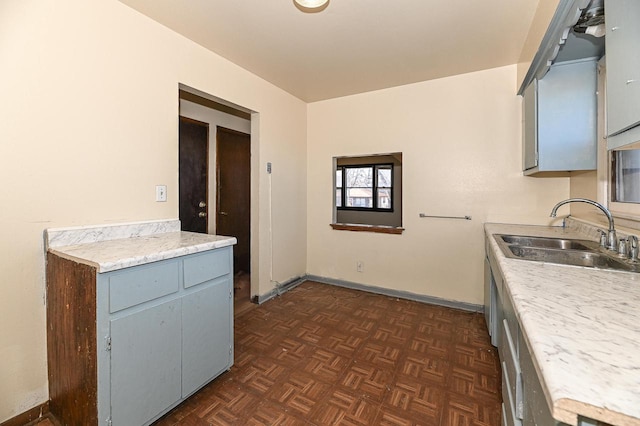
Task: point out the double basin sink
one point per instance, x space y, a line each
563 251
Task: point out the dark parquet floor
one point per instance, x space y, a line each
325 355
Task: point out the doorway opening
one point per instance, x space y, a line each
215 177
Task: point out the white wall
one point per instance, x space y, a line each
460 138
214 118
89 127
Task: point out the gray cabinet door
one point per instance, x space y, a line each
206 334
623 65
145 363
530 126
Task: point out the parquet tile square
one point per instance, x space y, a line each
367 380
380 355
434 371
343 344
326 365
418 401
345 408
324 355
299 393
459 410
270 414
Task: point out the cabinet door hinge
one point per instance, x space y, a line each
109 422
108 344
230 349
230 293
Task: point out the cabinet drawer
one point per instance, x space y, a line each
511 369
510 418
133 286
206 266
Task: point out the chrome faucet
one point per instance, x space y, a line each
612 239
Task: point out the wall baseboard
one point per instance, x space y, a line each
399 294
294 282
282 288
36 412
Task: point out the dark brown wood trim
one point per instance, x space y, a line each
71 341
380 229
37 412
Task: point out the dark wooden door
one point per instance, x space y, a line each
234 193
193 168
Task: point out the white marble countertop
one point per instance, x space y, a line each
113 247
582 326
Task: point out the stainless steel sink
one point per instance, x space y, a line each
563 251
590 259
557 243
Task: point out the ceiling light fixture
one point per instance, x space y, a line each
311 5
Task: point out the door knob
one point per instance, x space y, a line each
202 214
202 204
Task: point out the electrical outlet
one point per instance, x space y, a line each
161 193
360 266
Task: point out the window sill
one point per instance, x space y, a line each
380 229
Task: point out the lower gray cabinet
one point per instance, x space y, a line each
129 345
169 331
519 400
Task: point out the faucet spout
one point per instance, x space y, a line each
612 238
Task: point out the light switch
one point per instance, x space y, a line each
161 192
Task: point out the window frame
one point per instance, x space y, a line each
628 213
374 188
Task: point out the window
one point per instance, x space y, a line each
618 174
625 176
368 191
366 187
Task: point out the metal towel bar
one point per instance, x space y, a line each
446 217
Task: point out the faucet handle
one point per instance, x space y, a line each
632 244
623 247
603 238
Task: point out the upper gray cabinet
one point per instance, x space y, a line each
623 72
560 118
560 92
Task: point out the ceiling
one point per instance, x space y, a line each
352 46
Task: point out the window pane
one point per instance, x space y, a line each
384 198
627 176
384 177
339 178
359 177
339 197
359 197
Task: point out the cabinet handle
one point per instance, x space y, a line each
615 28
202 214
631 81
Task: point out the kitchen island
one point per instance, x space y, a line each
139 317
580 326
